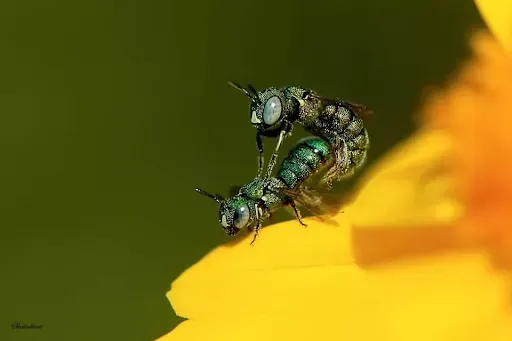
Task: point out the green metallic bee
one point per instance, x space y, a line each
274 111
256 201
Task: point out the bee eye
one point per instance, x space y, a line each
272 110
241 217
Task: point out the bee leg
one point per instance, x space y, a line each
259 144
336 172
273 159
256 231
346 174
297 213
334 169
258 223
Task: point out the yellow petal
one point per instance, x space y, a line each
292 269
279 249
493 328
409 187
310 328
498 16
430 298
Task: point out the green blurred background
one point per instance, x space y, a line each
113 111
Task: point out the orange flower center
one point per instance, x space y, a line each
477 111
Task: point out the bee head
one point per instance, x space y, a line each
234 213
269 107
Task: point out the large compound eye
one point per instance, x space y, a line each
272 110
241 217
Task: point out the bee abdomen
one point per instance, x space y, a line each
360 142
338 120
358 157
288 177
353 128
343 116
305 159
358 148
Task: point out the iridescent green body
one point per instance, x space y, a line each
258 199
305 159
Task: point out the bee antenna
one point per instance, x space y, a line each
252 95
215 197
253 90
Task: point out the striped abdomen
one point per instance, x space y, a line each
306 158
339 121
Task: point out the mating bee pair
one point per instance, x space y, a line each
339 144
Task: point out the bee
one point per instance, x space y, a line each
257 200
274 111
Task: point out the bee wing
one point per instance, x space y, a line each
322 206
361 110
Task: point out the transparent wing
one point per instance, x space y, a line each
361 110
322 206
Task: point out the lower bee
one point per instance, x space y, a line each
256 200
273 113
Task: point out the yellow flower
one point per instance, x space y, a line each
498 15
411 257
480 123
